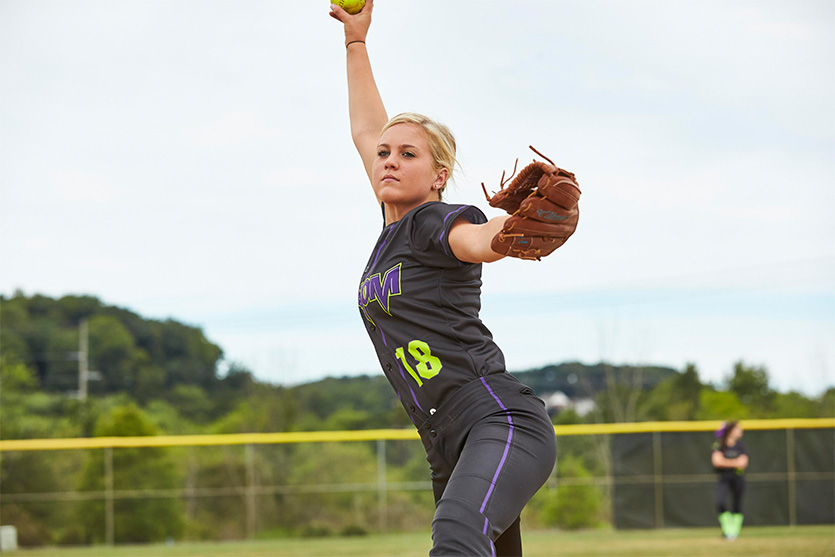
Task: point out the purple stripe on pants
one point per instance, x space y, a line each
504 455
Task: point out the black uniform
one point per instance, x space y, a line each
731 480
488 439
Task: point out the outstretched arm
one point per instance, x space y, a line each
365 106
471 242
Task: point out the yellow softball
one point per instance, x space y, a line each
350 6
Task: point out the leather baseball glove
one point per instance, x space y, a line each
542 201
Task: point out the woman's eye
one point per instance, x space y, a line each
382 153
408 154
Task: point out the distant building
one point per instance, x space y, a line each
558 401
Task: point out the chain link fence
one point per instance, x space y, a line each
217 487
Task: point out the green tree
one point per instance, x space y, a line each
826 404
26 413
187 355
192 402
688 389
135 520
136 355
113 353
676 398
76 308
370 395
332 463
794 405
267 409
659 404
750 384
719 405
575 505
347 419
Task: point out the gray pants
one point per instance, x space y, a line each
490 448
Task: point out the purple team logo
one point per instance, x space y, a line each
380 289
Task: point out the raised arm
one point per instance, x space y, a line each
365 106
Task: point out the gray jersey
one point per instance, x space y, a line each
420 306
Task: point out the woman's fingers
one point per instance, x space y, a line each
338 13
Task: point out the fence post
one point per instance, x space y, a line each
790 476
658 479
382 493
250 491
108 496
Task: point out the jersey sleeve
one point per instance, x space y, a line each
430 232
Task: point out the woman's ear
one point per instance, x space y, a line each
441 179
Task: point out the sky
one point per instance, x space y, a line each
191 159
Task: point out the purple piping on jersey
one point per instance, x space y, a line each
403 375
506 450
384 338
400 398
377 255
446 218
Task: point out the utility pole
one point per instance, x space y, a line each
83 363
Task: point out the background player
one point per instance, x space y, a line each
729 459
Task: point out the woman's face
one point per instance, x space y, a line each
735 434
403 169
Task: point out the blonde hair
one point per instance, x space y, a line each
441 141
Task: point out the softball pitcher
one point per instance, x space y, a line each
489 442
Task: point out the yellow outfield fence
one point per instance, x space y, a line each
246 483
379 434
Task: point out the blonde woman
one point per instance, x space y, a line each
489 442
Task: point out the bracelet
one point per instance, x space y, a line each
352 42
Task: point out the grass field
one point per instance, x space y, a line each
782 541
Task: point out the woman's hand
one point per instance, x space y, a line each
356 26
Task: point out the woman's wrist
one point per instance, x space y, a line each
354 41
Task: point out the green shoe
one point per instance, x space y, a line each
726 521
736 521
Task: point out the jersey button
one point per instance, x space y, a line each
433 433
372 327
411 407
388 366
